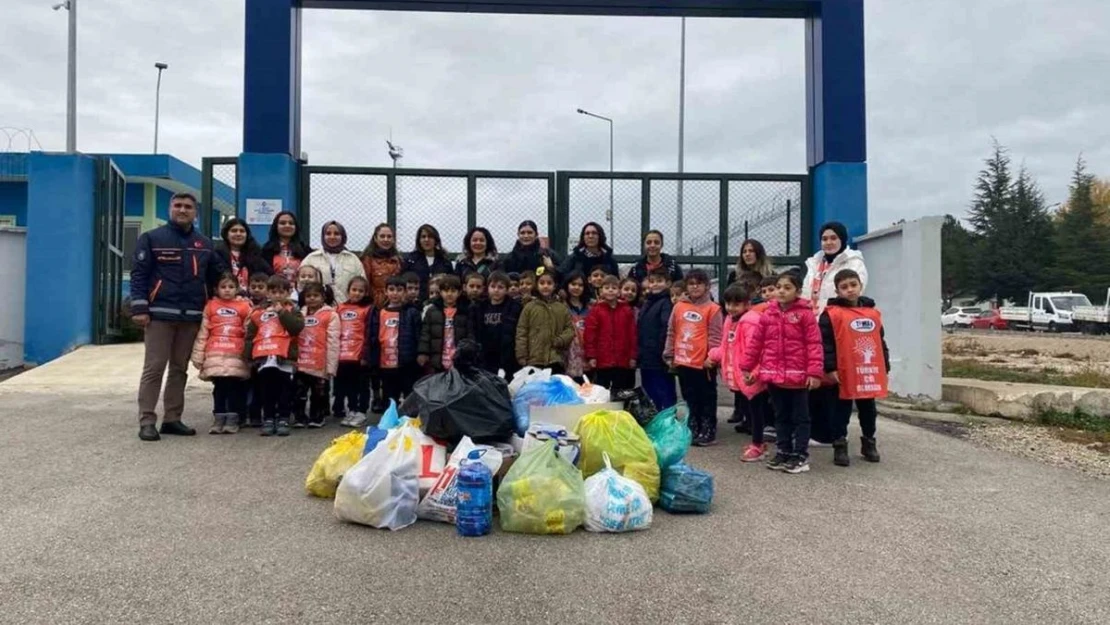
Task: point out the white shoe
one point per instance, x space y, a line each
346 422
816 443
357 420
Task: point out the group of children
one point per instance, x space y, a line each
275 358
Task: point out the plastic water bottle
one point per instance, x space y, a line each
474 507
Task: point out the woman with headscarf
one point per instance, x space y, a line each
240 252
381 261
529 253
479 254
285 249
653 258
821 269
753 259
335 262
427 258
591 251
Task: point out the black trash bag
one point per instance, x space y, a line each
463 401
638 404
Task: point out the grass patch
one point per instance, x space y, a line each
973 369
1079 428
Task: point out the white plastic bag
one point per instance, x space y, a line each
592 393
526 375
439 504
615 503
383 489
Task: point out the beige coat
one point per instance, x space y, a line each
217 365
347 266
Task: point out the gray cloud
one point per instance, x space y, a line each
499 92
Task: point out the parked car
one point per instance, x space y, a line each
960 316
989 320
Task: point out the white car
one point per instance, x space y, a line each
959 316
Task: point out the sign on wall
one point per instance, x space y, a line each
262 212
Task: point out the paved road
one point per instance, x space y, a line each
98 527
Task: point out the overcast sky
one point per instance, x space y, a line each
500 92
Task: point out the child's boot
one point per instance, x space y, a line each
282 428
840 453
869 450
231 426
268 428
218 420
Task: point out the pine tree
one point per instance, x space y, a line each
958 258
1082 240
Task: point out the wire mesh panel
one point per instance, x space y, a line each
589 200
767 210
700 216
502 203
358 201
436 200
225 200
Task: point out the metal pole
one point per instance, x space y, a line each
681 129
71 80
612 234
157 103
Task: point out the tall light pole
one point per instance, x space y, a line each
609 215
681 130
71 76
158 102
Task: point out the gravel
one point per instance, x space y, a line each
1044 445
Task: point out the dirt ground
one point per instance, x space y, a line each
1031 350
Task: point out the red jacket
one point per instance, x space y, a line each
611 335
786 347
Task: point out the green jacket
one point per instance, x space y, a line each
544 332
292 321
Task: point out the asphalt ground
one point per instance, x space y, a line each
100 527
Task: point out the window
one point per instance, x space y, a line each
986 314
952 311
131 232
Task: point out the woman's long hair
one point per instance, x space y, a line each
762 264
372 248
491 247
417 251
297 247
250 248
602 242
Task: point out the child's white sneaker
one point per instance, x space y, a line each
357 420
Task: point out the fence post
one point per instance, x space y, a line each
645 209
788 227
722 251
552 214
562 212
805 243
304 210
206 196
391 200
471 201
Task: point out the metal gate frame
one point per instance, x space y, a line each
471 175
108 252
721 259
207 199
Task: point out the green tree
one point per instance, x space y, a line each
1082 240
958 257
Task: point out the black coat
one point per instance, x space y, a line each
639 271
416 263
579 261
651 330
527 260
408 338
251 259
494 327
486 266
431 331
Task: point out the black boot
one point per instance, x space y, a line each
840 453
869 450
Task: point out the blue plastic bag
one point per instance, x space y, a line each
670 435
374 435
390 419
542 393
686 489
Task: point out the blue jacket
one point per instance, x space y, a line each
651 330
408 337
171 272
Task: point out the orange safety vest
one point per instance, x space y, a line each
352 331
448 358
691 332
227 332
285 264
859 351
312 342
389 331
271 339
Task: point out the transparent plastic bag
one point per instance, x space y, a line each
383 489
616 433
670 435
342 454
551 392
526 375
686 489
615 503
542 494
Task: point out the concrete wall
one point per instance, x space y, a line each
903 264
13 268
13 200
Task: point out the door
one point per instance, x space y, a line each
1039 315
108 265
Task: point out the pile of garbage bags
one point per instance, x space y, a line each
604 474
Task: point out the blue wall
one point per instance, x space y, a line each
60 221
13 200
134 200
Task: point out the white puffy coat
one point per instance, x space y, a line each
848 259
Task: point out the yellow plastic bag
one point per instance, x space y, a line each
542 494
336 460
616 433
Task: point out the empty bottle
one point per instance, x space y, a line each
474 507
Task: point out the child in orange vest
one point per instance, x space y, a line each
852 335
352 376
317 356
741 323
218 353
272 345
393 340
694 327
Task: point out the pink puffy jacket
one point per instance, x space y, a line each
786 347
735 337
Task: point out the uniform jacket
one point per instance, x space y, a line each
218 348
847 259
735 336
544 333
322 328
170 274
651 330
347 266
431 331
611 335
408 336
786 347
378 270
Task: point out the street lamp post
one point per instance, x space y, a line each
609 216
158 102
71 76
681 131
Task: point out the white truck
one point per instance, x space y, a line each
1046 311
1093 319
